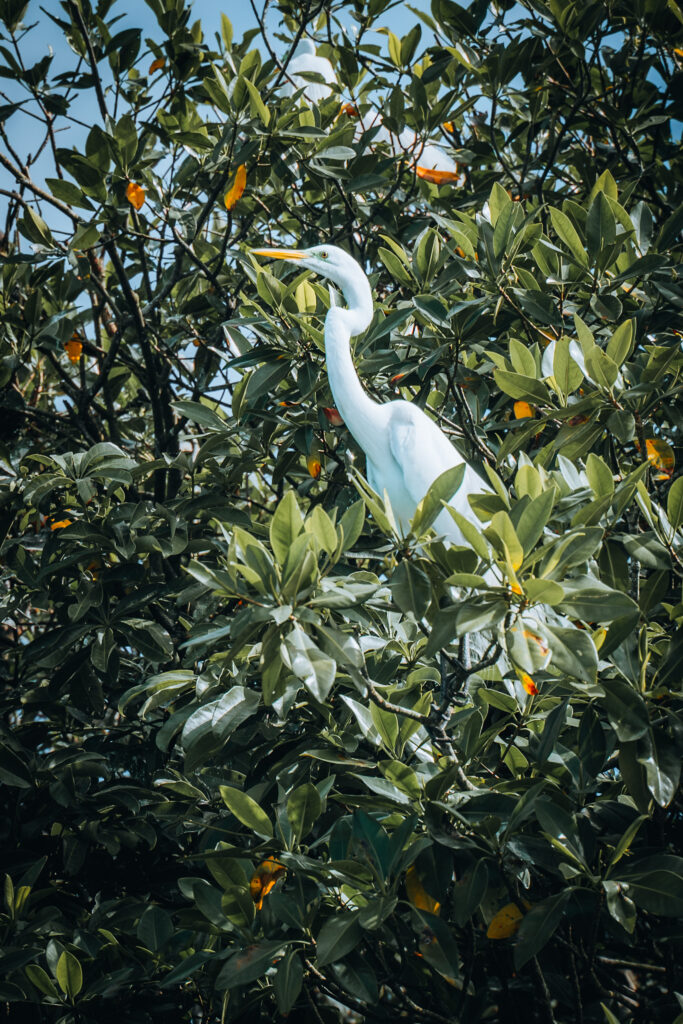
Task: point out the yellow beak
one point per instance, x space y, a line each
280 254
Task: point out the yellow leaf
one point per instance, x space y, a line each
505 923
530 687
523 410
599 637
135 194
449 126
437 177
237 188
156 65
264 878
418 895
314 466
661 455
60 524
74 348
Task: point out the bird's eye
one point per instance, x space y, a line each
324 255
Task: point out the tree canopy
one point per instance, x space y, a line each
249 767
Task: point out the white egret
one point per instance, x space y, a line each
431 162
306 60
405 450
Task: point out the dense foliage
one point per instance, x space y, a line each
249 766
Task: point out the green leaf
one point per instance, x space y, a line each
155 928
322 528
226 31
573 652
519 386
248 964
543 591
288 981
655 883
587 598
601 229
69 975
569 235
599 475
337 937
538 926
411 588
197 412
626 709
42 980
316 671
285 526
352 523
257 103
620 344
624 843
304 807
674 503
469 891
68 193
246 810
471 534
396 267
441 491
566 372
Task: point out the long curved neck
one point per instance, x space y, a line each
360 413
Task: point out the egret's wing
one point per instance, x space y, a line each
422 453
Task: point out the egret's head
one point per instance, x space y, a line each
327 260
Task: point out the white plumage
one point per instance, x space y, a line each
405 449
306 60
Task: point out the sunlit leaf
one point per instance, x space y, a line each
238 186
263 880
135 194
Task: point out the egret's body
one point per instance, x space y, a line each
405 449
306 60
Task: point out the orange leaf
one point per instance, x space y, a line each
661 455
60 524
74 348
333 416
349 110
505 923
264 878
238 186
418 895
449 126
135 194
515 588
523 410
314 466
396 378
156 65
437 177
529 685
